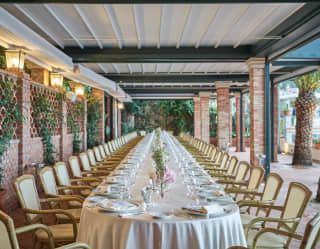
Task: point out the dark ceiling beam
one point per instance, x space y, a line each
155 55
176 90
178 78
152 1
296 63
298 29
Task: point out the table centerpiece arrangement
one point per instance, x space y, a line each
163 175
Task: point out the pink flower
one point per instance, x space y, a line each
169 176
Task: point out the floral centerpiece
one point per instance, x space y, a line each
163 175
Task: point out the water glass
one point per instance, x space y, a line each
147 196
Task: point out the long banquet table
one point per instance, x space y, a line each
104 230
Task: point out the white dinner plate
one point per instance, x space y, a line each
118 206
161 216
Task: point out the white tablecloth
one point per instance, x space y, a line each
102 230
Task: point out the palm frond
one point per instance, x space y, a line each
307 82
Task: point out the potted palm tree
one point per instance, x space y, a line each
305 105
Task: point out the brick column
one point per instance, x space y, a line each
114 118
244 122
256 76
223 109
275 132
23 128
238 135
230 126
197 118
100 95
63 132
109 117
40 75
204 114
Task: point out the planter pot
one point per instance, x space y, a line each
317 146
287 113
3 195
75 154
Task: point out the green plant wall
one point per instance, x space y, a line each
175 115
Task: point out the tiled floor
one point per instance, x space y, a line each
308 176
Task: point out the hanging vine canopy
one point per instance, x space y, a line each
73 118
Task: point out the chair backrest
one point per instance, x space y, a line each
62 174
272 187
84 159
102 152
8 238
242 171
97 154
218 156
28 195
224 160
75 166
106 149
232 165
111 149
91 157
256 176
298 196
48 181
312 233
213 153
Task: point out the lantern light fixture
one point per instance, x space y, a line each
56 80
15 59
120 105
79 90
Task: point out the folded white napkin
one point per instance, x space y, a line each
116 205
212 209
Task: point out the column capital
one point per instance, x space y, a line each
256 62
222 84
204 94
236 94
196 98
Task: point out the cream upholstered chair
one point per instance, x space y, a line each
31 206
240 175
100 160
252 185
98 165
8 234
298 196
51 189
269 195
227 171
223 164
64 180
95 171
309 240
78 174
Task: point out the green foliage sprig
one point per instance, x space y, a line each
159 155
93 118
12 114
74 124
45 117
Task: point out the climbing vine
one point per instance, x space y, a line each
11 115
74 124
45 117
93 118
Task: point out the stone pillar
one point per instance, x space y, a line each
223 109
100 95
238 120
257 118
40 75
197 118
119 121
205 121
275 132
63 132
